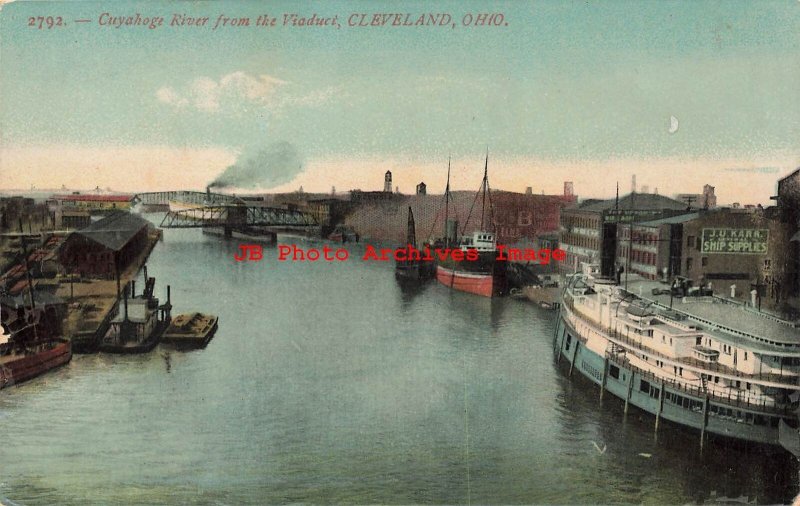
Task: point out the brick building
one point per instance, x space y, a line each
94 250
736 251
788 203
589 232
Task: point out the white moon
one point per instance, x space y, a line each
673 124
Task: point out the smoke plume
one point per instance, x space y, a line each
276 164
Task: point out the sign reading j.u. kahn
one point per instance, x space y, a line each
743 241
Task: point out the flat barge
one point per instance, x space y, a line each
190 330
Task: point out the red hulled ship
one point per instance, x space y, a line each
485 275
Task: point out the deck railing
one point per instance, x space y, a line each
737 397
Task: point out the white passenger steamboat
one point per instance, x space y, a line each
699 361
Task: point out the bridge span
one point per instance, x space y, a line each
237 217
186 197
193 209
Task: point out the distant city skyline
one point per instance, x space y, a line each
679 93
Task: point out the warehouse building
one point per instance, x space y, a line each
588 232
105 245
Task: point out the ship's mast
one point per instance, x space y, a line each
447 206
411 233
28 278
484 185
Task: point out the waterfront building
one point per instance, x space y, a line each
745 247
588 231
91 202
106 245
788 203
328 212
74 219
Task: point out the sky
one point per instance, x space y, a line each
557 91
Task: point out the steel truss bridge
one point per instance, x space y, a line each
237 217
186 197
227 211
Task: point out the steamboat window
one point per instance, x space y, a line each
655 392
644 386
613 371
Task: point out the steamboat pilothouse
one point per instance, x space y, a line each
697 360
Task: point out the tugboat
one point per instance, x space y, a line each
413 269
138 328
485 276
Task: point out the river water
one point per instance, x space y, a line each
326 383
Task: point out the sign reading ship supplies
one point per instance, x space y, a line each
742 241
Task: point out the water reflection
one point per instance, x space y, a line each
635 456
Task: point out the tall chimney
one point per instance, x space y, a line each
633 183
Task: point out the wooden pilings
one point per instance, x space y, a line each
574 355
705 424
603 379
660 405
630 390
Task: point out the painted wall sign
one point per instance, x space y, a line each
741 241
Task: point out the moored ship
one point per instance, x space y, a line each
708 366
484 276
26 349
480 272
413 269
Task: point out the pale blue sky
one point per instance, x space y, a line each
576 81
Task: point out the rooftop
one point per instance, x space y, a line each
94 198
681 218
769 332
635 201
114 231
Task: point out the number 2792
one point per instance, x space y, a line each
41 22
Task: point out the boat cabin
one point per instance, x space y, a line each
481 241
